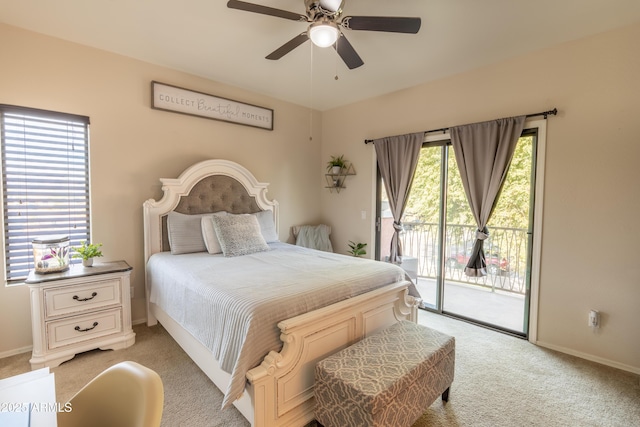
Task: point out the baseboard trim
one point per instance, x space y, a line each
15 351
592 358
139 321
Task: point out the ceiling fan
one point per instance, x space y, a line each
326 24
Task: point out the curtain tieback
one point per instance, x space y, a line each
482 234
398 227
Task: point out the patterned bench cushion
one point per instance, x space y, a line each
374 372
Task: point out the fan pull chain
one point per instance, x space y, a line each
311 93
336 58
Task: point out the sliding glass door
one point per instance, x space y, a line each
439 232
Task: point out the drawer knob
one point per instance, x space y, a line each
77 328
93 295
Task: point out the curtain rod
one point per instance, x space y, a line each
528 116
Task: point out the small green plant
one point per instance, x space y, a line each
357 249
336 161
87 251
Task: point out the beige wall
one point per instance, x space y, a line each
132 146
591 202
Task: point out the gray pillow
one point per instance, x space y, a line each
185 233
267 226
209 233
239 234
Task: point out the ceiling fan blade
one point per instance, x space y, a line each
390 24
347 53
288 46
265 10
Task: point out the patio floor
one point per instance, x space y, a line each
499 308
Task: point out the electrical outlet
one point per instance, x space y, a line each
594 319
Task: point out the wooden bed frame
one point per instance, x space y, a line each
279 391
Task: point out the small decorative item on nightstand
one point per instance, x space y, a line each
51 255
87 251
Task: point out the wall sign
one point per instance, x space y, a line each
172 98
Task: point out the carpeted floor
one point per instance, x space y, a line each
500 381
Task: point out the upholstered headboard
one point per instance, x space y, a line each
213 193
209 186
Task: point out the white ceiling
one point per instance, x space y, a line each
205 38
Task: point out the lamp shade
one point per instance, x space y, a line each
324 34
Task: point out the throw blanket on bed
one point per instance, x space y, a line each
232 305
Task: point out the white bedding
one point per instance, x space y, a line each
232 305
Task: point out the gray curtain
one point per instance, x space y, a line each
483 154
397 159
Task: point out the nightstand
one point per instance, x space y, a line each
80 309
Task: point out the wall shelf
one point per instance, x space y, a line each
335 181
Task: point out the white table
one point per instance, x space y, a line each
29 400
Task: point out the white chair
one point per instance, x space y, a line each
124 395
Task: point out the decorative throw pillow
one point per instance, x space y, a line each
267 225
239 234
185 233
209 233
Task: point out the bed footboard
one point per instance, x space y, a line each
281 387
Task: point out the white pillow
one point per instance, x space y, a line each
185 233
209 235
267 225
239 234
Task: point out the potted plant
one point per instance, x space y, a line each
87 251
336 164
357 249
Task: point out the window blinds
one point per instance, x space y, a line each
45 180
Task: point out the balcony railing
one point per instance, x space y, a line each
505 250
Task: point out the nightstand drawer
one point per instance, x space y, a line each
75 299
82 328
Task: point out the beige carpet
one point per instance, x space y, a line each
500 381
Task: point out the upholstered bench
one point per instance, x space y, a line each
388 379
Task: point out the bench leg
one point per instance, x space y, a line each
445 395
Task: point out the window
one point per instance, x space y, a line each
439 231
45 182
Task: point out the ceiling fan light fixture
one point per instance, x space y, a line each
323 34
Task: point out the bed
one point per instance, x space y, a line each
220 309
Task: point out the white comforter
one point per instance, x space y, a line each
232 305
